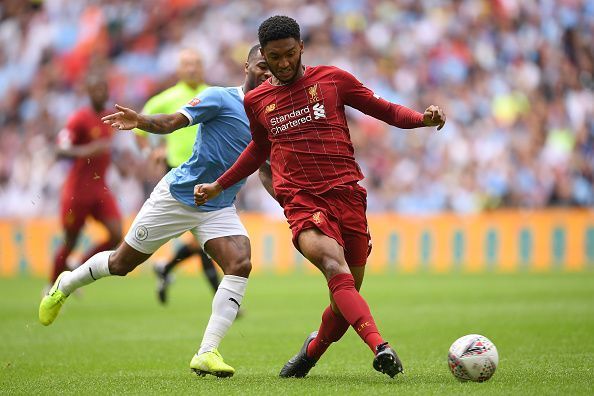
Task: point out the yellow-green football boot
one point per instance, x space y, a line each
51 304
211 363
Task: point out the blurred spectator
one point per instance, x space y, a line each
515 78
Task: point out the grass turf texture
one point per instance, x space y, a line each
117 339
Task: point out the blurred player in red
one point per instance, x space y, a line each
297 117
87 141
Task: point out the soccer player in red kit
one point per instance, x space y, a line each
297 118
87 140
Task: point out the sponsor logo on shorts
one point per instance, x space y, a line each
141 233
317 218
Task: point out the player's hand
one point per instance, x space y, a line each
205 192
124 119
434 116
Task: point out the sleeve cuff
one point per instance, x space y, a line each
187 115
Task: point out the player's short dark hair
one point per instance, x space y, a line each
253 52
278 27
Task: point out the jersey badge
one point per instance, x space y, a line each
194 102
95 132
313 93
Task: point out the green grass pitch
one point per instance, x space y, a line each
116 339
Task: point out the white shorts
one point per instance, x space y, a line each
163 218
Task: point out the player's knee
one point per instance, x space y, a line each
239 267
331 266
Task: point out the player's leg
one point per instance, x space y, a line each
386 360
232 253
73 214
103 264
352 205
163 271
327 254
105 210
333 325
357 244
227 243
187 250
209 270
70 239
160 219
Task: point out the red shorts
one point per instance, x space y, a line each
339 214
76 207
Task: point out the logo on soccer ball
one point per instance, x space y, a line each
312 94
194 102
317 217
141 233
270 108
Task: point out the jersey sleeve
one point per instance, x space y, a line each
204 107
254 155
353 93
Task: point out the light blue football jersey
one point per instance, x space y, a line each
223 134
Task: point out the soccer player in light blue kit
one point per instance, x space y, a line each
223 133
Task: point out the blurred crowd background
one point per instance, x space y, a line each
515 78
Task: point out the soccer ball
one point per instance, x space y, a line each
473 358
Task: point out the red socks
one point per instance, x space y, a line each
331 330
354 309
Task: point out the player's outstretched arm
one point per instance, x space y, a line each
434 116
126 119
358 96
90 149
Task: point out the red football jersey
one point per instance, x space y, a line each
87 175
304 127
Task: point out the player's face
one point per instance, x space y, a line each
98 92
284 58
190 67
257 71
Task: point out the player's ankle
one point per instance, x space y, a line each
381 347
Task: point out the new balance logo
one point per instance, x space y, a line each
319 111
